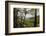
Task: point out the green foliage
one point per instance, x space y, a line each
29 22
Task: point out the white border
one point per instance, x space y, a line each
19 5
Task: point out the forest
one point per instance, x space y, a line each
26 17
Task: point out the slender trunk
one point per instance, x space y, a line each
35 24
21 20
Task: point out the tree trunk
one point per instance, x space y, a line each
35 23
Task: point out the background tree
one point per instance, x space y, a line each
34 13
21 15
15 17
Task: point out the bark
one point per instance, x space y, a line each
35 24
